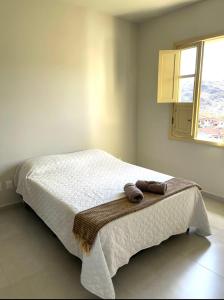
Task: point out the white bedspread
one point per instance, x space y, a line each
58 187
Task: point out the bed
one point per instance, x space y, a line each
57 187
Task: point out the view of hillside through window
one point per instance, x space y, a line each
187 75
211 111
211 114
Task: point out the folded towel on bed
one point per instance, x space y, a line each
152 186
133 193
88 223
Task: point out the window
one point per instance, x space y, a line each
211 109
195 81
187 75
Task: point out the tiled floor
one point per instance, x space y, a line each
34 264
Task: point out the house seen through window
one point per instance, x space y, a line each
211 110
210 119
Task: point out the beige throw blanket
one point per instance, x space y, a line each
88 223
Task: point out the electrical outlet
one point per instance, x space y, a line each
9 184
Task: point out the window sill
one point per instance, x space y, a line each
216 144
197 141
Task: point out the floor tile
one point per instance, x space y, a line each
34 264
3 279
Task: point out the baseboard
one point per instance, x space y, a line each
8 199
212 196
10 205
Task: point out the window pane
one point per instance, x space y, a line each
186 89
211 114
188 61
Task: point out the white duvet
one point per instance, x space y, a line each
58 187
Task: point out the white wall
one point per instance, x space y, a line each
202 163
67 82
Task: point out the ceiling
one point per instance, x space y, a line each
134 10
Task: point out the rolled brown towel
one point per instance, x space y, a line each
133 193
152 186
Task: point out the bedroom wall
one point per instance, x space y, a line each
198 162
68 82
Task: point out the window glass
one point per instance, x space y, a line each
211 112
186 88
188 61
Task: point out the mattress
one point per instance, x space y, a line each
57 187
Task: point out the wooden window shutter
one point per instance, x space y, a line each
182 121
168 76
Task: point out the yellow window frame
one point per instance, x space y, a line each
199 43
